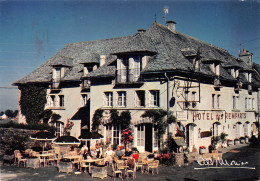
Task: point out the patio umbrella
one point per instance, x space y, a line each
43 136
90 136
66 140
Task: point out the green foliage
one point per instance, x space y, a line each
171 119
215 140
114 116
223 137
46 115
15 141
55 117
33 126
158 119
32 101
125 119
10 113
97 119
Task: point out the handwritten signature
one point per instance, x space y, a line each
221 163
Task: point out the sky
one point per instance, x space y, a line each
33 31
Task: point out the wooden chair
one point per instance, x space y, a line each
76 161
154 165
41 160
51 160
131 170
20 159
115 172
83 165
15 156
139 164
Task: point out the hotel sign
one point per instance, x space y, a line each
217 115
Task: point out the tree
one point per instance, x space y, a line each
9 113
125 119
55 117
46 115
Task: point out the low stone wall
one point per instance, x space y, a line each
7 135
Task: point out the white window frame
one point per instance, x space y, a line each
108 99
141 135
154 98
121 98
84 99
213 100
138 101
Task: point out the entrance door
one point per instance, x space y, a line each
148 138
190 136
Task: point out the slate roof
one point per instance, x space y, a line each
170 51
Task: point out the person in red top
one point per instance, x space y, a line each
136 155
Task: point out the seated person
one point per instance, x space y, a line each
135 155
127 152
119 153
109 155
83 149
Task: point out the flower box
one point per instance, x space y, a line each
32 163
99 172
65 166
202 149
236 142
229 142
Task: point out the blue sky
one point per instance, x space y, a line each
33 31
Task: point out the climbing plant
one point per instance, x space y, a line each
97 119
157 116
32 101
125 119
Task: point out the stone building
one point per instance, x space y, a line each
207 89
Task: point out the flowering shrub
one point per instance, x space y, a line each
68 126
166 158
127 136
229 140
180 133
202 147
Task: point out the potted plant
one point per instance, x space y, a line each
242 140
236 141
194 149
229 142
215 141
223 139
202 149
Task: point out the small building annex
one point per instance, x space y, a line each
208 90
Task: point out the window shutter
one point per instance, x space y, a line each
149 98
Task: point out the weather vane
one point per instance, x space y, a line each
166 11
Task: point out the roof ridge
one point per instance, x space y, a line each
90 41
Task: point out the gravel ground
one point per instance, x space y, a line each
167 173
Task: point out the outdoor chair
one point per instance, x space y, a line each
76 161
51 160
20 159
15 156
41 160
50 151
115 172
83 165
154 165
131 170
139 164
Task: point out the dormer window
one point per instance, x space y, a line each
215 67
128 69
234 72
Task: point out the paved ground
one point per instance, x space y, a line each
239 154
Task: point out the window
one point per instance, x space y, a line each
246 106
113 133
215 129
116 133
253 105
218 101
140 135
59 128
121 98
213 100
249 103
246 129
140 98
53 101
156 138
155 98
84 99
61 97
235 102
108 99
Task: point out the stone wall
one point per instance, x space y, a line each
8 136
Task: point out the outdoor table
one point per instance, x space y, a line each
32 163
65 166
45 155
72 157
89 161
99 171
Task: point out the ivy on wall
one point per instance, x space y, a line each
32 101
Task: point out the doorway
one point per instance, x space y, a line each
148 137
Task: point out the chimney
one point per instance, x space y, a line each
141 30
171 26
102 60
